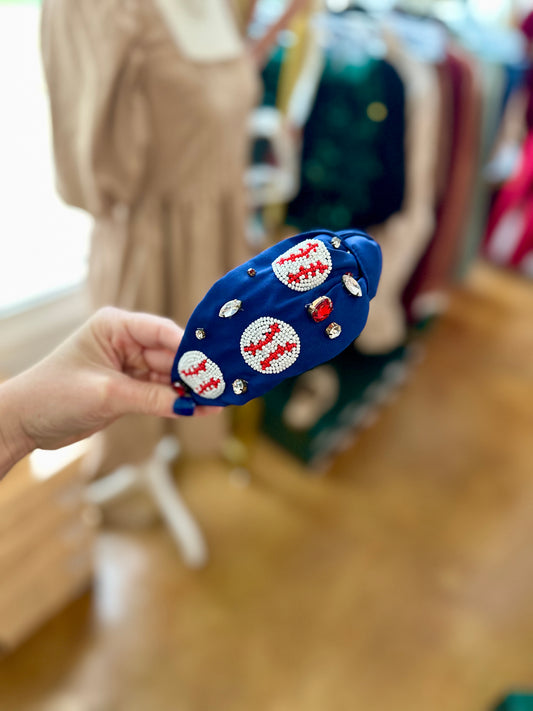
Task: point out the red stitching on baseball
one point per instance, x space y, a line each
269 337
210 385
196 369
303 252
280 350
304 272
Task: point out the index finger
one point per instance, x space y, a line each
153 331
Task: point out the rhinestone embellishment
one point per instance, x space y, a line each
303 266
351 285
336 242
251 272
201 374
200 333
230 308
179 388
333 330
269 345
240 386
320 308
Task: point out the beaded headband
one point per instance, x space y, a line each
287 310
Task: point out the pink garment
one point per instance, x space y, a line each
509 237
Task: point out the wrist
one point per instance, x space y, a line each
14 442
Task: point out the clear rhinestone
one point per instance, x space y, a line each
333 330
230 308
351 285
336 242
200 333
240 386
251 272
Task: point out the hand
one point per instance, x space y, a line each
116 363
260 48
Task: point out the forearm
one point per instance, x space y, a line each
14 443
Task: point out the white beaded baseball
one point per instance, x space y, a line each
201 374
269 345
303 266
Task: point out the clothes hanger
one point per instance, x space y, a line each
425 37
277 183
354 34
416 23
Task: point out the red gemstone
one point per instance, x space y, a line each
179 388
320 308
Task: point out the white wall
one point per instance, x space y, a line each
27 336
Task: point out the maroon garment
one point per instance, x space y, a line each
528 86
527 30
434 273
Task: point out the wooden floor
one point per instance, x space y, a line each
400 581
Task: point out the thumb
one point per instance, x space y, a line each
145 398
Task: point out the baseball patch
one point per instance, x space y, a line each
201 374
303 266
269 345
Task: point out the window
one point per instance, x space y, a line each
43 243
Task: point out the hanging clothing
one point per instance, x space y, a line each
353 162
154 145
492 76
429 284
509 238
509 235
405 235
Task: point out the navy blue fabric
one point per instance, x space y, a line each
265 295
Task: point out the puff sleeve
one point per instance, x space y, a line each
93 58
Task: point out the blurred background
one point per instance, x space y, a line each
360 537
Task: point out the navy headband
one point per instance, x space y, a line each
287 310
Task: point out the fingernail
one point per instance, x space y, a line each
184 406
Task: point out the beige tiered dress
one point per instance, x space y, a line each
154 146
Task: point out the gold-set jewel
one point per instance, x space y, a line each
240 386
180 388
320 309
200 333
333 330
336 242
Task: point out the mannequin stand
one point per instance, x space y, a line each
154 476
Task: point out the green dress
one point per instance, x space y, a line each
353 156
